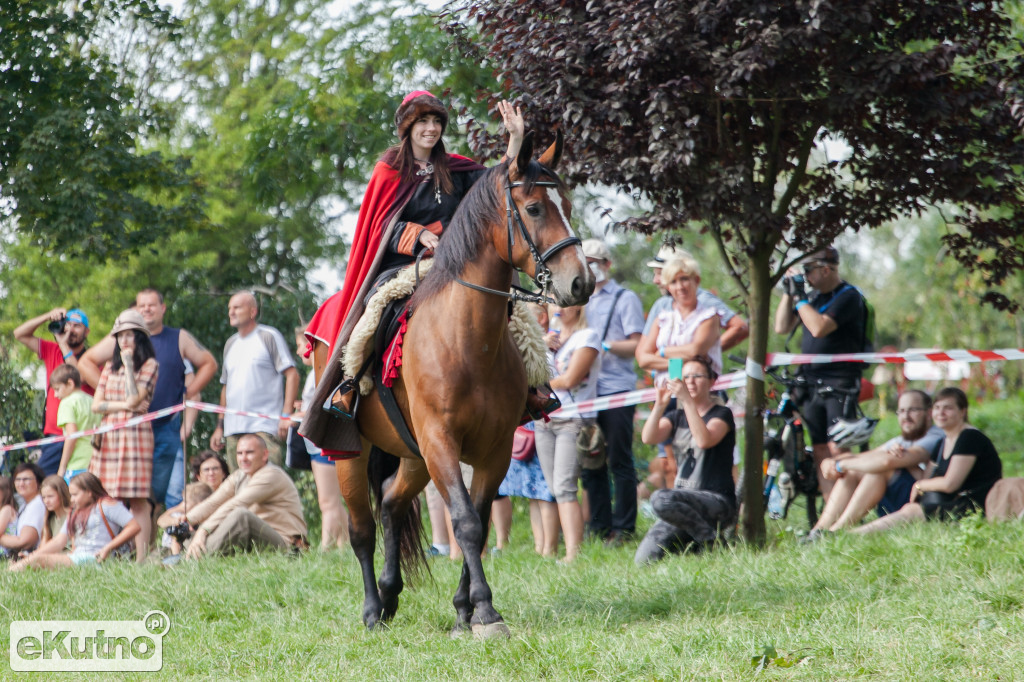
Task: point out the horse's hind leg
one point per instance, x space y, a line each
401 530
354 484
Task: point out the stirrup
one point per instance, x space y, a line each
335 404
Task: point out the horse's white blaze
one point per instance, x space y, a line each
556 200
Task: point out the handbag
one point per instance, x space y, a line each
523 444
590 445
298 455
97 441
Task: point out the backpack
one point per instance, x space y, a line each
867 344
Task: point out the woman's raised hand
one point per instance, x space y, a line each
127 358
512 118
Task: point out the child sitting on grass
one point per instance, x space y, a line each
194 494
8 512
98 527
73 414
57 500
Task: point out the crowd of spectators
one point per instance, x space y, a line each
84 500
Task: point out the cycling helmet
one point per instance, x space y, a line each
847 434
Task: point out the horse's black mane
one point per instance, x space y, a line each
464 237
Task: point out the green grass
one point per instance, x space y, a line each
930 602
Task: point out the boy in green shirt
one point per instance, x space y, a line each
74 414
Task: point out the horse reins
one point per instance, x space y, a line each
543 277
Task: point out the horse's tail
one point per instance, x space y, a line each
412 558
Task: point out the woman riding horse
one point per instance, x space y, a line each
413 193
462 382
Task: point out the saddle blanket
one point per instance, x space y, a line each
526 333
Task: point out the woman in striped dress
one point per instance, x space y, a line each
124 462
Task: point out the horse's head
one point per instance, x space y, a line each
541 240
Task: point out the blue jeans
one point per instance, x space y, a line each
49 457
168 462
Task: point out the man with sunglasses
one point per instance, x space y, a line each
834 318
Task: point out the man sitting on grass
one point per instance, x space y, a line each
883 476
256 507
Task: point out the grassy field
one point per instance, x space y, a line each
933 602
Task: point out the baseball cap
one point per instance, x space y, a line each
76 315
595 248
827 254
667 253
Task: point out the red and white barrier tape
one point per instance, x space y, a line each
151 416
958 355
646 395
643 395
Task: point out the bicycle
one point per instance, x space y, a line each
790 461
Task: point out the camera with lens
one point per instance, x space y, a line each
180 532
57 326
794 286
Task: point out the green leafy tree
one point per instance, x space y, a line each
74 181
713 111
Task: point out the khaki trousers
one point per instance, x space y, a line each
244 531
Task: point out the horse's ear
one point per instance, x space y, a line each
553 153
517 168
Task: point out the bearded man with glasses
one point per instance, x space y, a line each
883 477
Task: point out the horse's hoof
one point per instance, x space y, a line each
460 631
377 626
491 631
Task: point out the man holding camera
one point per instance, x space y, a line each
834 319
69 328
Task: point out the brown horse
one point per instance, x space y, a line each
462 387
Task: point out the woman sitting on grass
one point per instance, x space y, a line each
703 433
967 469
98 527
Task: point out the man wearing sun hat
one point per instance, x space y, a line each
68 345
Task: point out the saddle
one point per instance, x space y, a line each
387 344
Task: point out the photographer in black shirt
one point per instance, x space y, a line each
834 319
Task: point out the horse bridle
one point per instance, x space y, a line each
543 273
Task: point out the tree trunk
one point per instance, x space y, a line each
757 347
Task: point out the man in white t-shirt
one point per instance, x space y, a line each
884 476
258 376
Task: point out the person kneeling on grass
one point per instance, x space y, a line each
257 507
703 432
957 483
98 527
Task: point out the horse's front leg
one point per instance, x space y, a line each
485 621
354 484
469 520
402 526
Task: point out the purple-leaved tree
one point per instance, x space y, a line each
717 113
